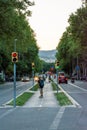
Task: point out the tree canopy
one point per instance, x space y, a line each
15 30
73 42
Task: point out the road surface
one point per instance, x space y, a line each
45 116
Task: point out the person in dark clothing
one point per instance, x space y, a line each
41 85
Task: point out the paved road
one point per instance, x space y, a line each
78 91
7 90
41 118
45 114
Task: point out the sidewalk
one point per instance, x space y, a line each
48 99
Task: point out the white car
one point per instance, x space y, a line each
25 79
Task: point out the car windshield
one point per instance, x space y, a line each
61 74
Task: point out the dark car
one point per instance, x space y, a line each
62 78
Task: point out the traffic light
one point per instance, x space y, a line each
14 57
33 65
57 63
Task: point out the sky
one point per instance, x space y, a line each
49 20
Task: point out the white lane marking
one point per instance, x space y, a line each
78 87
56 122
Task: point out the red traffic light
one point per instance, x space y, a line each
14 54
14 57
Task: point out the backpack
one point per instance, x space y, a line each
41 83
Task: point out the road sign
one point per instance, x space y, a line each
77 68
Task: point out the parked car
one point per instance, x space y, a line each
62 78
25 79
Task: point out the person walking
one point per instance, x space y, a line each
41 85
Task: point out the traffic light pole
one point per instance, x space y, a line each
33 66
15 76
57 67
33 77
14 84
57 79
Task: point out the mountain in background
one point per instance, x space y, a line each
47 55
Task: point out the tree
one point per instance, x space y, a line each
14 25
73 43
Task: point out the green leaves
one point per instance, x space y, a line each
14 25
74 40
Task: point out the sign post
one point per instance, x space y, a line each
77 70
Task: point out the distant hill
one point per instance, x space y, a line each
47 55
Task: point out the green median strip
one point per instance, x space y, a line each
61 97
22 99
35 88
54 86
